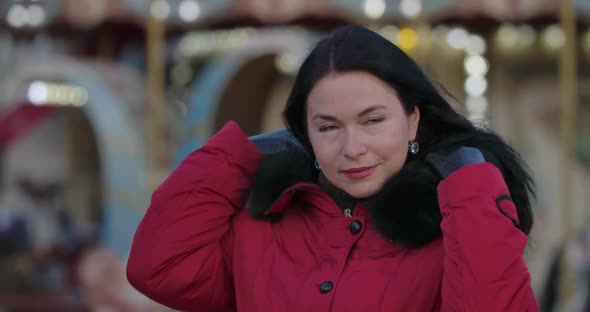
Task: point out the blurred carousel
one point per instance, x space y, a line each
103 98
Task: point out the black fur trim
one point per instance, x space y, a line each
276 173
406 210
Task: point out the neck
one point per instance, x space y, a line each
342 199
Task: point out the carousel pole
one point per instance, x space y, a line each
155 95
423 28
568 99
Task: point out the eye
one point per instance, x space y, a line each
374 120
327 128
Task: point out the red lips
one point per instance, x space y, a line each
359 173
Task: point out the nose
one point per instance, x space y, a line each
353 145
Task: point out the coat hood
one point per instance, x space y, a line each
405 210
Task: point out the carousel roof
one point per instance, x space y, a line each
211 13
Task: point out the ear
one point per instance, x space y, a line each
414 121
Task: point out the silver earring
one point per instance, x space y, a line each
317 164
414 147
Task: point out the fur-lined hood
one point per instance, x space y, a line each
405 211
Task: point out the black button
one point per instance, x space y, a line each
326 286
355 227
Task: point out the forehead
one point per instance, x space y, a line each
354 90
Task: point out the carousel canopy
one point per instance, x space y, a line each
22 14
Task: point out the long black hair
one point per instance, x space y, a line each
354 48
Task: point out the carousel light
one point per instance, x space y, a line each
160 9
189 11
407 39
374 9
476 65
17 16
476 45
507 36
56 94
286 63
37 93
199 44
553 38
411 8
457 38
477 105
528 35
390 33
36 15
476 85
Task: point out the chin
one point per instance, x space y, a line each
362 191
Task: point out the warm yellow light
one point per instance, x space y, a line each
407 39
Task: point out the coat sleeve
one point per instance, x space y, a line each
484 268
181 252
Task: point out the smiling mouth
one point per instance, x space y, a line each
360 172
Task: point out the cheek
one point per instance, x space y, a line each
395 149
324 151
326 155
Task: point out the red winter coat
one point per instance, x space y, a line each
197 249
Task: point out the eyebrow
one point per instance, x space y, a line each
363 113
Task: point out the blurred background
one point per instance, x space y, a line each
101 99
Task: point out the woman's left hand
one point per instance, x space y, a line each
447 162
278 141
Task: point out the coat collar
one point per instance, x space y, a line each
405 211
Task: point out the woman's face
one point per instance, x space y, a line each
359 131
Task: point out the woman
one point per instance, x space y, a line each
385 199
